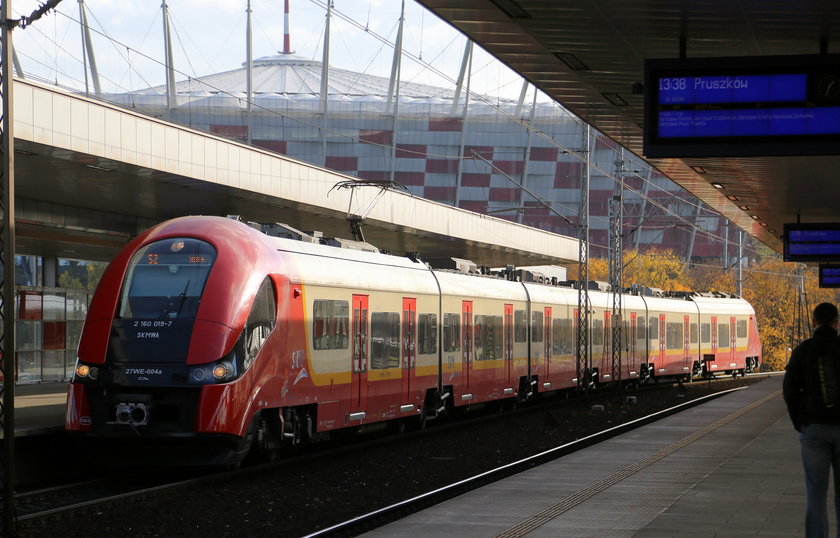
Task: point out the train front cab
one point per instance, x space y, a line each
168 354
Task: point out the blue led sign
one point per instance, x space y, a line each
812 242
830 276
732 89
768 105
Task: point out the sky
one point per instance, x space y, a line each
209 37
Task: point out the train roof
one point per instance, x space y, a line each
359 264
324 265
724 305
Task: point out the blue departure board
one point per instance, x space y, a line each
812 242
768 105
733 89
830 276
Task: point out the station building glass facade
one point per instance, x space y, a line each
49 319
445 144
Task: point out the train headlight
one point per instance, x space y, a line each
217 372
223 371
85 372
199 375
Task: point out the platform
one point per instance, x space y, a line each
39 409
729 467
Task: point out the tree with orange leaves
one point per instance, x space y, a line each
653 269
771 286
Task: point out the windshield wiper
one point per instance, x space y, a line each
177 301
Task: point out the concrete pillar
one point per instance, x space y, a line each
49 271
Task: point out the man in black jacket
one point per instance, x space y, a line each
812 394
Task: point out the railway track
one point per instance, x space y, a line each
388 514
44 509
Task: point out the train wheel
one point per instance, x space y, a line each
265 439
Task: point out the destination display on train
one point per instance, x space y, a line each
742 106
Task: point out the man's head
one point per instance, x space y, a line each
825 314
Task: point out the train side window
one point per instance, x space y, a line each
451 332
488 338
537 327
520 326
693 333
641 328
330 324
741 328
478 337
384 340
261 321
427 334
653 329
625 336
705 333
561 336
598 332
673 335
723 335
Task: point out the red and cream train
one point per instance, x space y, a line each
207 329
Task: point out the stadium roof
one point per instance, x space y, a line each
299 78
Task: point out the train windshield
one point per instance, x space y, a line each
165 279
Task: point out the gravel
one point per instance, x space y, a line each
284 501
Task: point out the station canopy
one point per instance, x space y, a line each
590 56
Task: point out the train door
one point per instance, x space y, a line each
606 371
662 348
686 343
409 344
714 336
547 340
467 349
507 342
575 347
732 340
631 339
358 386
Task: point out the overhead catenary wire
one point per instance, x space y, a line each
594 165
550 138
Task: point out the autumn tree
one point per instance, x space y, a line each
653 269
770 285
81 275
772 288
